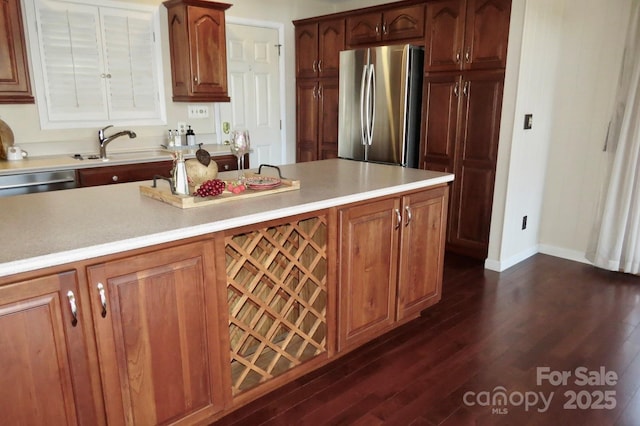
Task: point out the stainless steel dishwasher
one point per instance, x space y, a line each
25 183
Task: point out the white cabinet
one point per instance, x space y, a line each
94 64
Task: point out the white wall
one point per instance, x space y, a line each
594 33
569 57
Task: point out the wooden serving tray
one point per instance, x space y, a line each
188 201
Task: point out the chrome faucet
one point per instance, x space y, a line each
103 141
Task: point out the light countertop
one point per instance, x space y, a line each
67 162
53 228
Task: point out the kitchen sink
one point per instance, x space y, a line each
126 156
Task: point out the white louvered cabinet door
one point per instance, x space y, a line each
71 60
132 83
96 63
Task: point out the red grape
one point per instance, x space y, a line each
210 188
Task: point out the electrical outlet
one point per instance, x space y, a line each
198 111
528 121
524 222
182 127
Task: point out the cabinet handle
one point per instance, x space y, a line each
114 178
74 307
467 55
409 215
320 65
384 28
458 57
195 78
315 66
377 29
456 89
103 299
320 91
226 167
465 89
398 218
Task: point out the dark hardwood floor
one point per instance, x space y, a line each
490 330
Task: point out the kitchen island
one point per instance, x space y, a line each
152 314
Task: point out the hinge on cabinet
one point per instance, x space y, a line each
278 46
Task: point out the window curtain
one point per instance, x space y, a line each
616 245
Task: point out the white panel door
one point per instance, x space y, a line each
254 88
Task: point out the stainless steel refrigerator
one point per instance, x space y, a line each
380 104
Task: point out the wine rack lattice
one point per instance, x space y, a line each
277 297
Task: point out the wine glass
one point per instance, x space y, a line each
239 147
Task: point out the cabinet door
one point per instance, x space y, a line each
477 152
404 23
364 29
207 44
368 267
307 120
328 120
156 326
440 122
445 35
45 377
422 251
15 86
331 42
487 33
306 50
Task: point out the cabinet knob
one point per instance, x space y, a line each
226 167
114 178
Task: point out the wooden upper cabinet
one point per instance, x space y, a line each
15 86
157 332
487 33
318 46
45 376
197 44
467 35
390 25
445 35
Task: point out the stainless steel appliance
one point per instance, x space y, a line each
380 104
25 183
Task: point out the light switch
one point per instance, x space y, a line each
528 121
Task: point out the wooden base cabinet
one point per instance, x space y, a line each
156 327
45 376
391 257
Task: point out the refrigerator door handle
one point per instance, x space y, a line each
363 86
372 102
